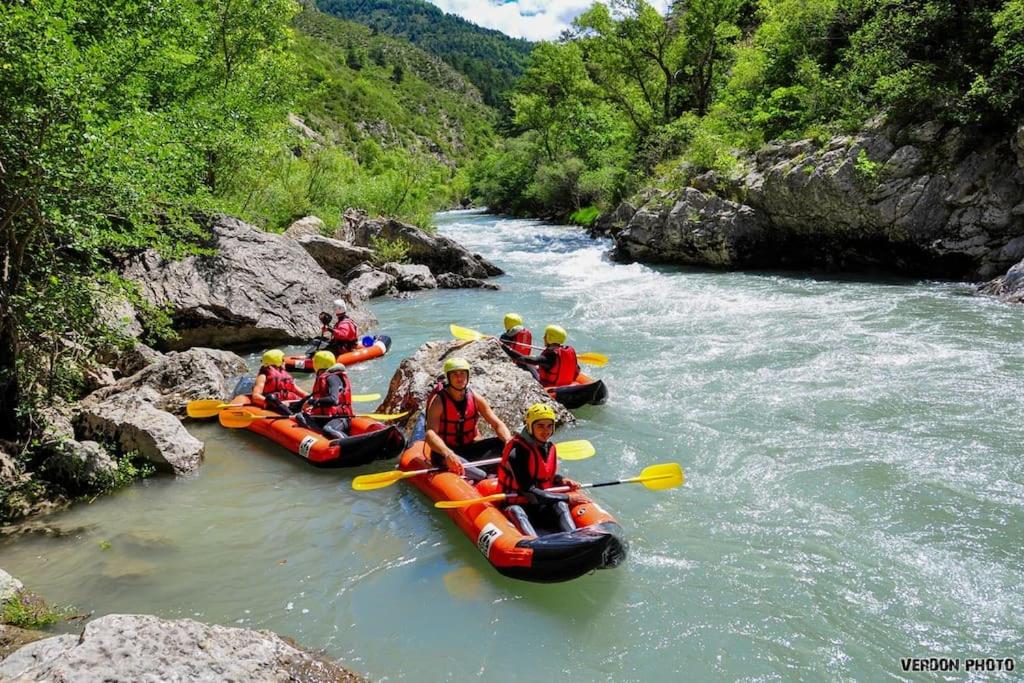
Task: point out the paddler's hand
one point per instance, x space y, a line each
573 485
454 464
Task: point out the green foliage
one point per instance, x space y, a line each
490 59
25 610
130 468
389 251
585 216
866 169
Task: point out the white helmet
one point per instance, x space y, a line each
339 306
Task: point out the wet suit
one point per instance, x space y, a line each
556 365
328 407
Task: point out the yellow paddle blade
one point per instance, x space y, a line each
598 360
207 407
365 398
575 450
383 417
465 334
658 477
449 504
237 418
369 482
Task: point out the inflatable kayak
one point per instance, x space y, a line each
597 543
369 439
381 344
584 390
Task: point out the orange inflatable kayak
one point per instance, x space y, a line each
584 390
597 543
368 440
381 344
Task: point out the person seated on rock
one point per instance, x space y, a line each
452 413
341 335
556 364
274 388
529 466
328 407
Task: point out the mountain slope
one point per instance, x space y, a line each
490 59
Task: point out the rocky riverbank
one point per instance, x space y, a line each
925 199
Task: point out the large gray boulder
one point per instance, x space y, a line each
336 257
410 277
256 288
453 281
133 422
440 254
925 198
9 587
134 647
310 225
79 467
509 389
180 377
367 282
1008 287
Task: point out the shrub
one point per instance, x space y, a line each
389 251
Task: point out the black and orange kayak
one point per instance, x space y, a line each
368 439
381 345
597 543
583 391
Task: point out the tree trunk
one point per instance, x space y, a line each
10 393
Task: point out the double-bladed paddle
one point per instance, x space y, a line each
466 334
237 418
208 407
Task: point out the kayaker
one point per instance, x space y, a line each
328 406
529 465
452 414
274 388
517 341
341 335
556 364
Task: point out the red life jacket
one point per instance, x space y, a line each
564 369
343 408
542 464
279 382
457 428
344 336
521 339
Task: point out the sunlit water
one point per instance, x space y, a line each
855 491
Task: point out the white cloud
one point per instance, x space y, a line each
531 19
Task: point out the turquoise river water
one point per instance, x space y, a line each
855 491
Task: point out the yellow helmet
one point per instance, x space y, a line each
512 320
538 411
555 334
453 364
273 357
323 360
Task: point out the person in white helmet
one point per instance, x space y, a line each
342 334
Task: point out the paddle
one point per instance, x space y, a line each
567 450
208 407
236 419
655 477
466 334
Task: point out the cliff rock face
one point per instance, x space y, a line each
925 199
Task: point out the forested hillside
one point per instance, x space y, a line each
633 98
490 59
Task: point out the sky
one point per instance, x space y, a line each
531 19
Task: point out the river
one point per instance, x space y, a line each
855 491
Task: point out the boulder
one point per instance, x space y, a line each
257 288
508 388
12 638
78 467
133 422
136 647
351 219
180 377
136 358
305 227
410 277
1008 287
453 281
367 282
9 587
336 257
440 254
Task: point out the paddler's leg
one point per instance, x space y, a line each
337 428
518 516
565 520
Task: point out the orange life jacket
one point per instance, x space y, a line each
564 369
343 408
457 428
279 382
542 464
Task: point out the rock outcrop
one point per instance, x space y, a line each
337 258
129 647
1008 287
440 254
367 282
926 199
256 288
509 389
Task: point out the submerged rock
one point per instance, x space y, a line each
509 389
131 647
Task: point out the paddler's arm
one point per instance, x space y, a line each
440 453
485 412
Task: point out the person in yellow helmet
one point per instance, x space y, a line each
274 388
451 417
529 465
328 408
517 341
556 365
